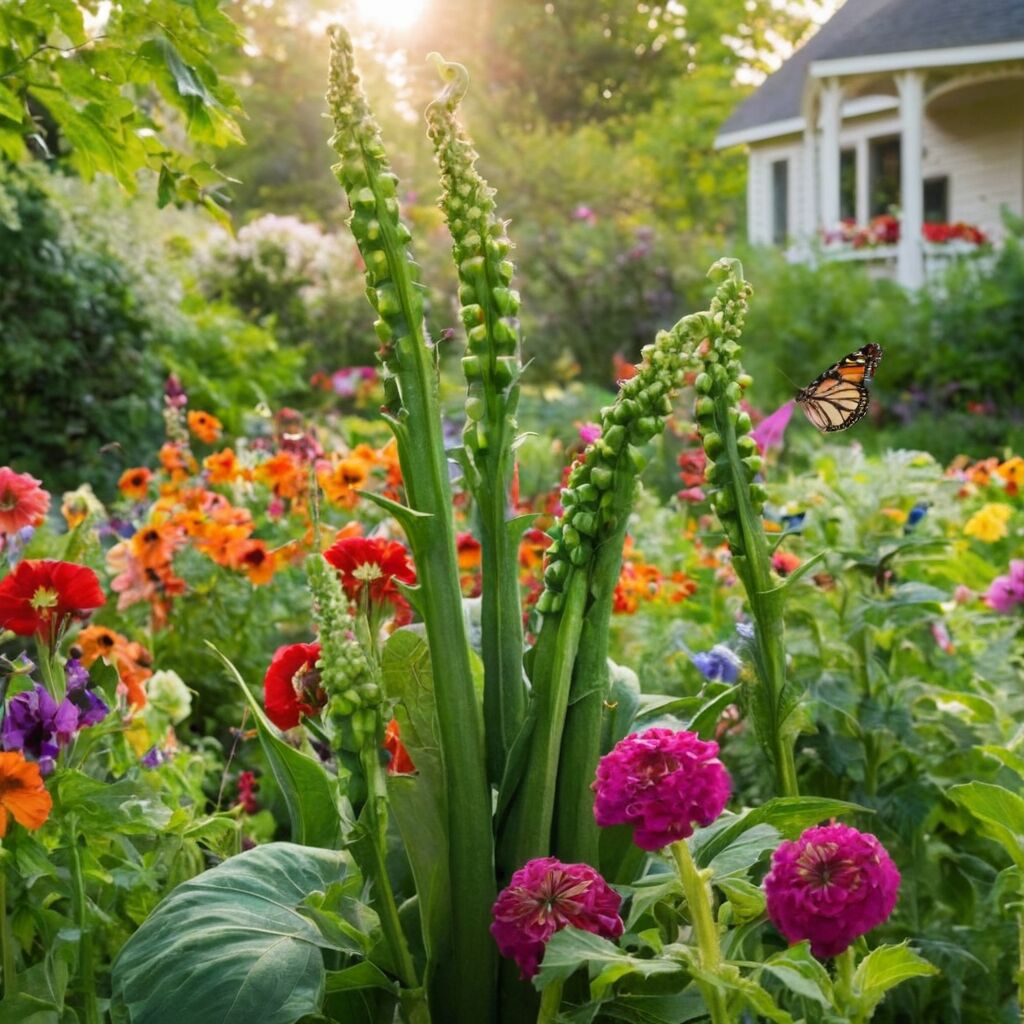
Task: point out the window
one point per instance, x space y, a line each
848 184
884 162
780 201
936 200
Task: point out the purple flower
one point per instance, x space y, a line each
1006 592
771 430
153 758
590 432
831 885
92 709
38 726
661 782
543 897
720 664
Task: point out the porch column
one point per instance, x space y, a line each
809 214
828 182
910 257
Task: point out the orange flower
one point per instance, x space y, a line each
154 545
221 541
132 661
401 762
1012 471
256 562
341 481
22 792
682 587
468 548
134 483
205 426
175 463
282 474
222 466
388 458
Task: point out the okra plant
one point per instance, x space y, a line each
407 920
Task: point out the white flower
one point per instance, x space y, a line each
169 695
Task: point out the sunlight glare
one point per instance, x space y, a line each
396 14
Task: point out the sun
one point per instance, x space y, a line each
397 14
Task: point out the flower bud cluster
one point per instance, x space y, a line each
610 464
725 428
480 248
353 694
392 278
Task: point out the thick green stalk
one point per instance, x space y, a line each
698 901
489 309
412 400
550 1001
733 462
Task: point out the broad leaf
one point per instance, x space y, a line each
1000 813
789 814
883 969
571 948
231 946
309 793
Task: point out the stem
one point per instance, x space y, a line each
46 669
698 900
844 980
550 1001
1020 963
385 904
6 940
86 960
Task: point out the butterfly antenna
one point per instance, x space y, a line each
790 379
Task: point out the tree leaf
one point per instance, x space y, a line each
230 946
308 792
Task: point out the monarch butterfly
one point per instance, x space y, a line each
838 398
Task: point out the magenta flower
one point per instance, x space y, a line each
590 432
543 897
1006 592
661 782
771 430
831 885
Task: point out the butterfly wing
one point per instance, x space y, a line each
839 397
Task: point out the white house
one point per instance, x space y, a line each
912 105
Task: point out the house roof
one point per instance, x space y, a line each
862 28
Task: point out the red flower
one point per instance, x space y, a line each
401 762
371 566
291 687
43 596
23 502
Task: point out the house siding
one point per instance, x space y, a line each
979 146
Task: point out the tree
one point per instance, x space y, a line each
119 88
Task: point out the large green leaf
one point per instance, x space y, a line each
230 947
884 968
418 801
789 814
999 811
571 948
309 792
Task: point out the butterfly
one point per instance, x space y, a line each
838 398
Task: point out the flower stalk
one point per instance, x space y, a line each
550 1001
86 958
6 939
698 900
489 309
733 464
413 411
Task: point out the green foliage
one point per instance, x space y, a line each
79 81
77 365
236 944
951 380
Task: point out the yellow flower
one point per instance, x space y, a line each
989 522
897 515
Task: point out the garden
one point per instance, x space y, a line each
405 618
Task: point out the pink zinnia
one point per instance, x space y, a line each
23 502
545 896
661 782
1006 592
831 885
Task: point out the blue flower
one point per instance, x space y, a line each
718 664
915 515
38 726
91 708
